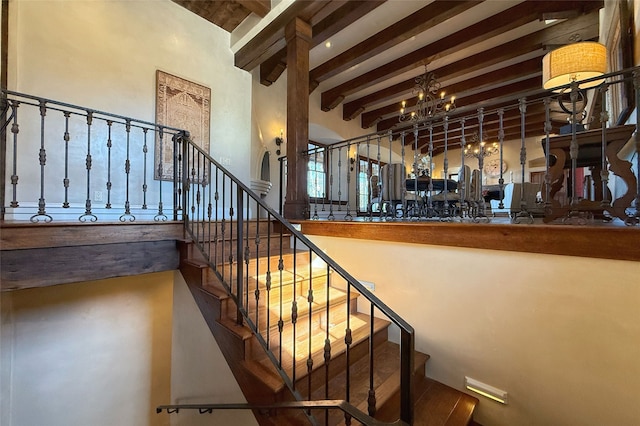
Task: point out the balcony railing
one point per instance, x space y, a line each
71 163
75 163
594 151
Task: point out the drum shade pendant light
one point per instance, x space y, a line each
574 62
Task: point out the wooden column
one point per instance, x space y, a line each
298 35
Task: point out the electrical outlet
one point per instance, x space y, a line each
97 195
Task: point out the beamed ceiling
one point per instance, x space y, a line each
488 53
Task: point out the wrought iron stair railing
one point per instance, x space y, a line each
219 211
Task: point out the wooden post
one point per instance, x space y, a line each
298 35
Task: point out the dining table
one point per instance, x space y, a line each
422 184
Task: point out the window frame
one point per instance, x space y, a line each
310 146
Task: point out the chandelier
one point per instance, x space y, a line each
478 148
431 101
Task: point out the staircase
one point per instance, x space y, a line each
301 309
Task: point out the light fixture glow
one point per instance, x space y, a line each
485 390
574 62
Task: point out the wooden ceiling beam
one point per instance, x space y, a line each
433 14
586 26
259 7
512 91
271 39
497 80
494 78
325 25
476 33
483 30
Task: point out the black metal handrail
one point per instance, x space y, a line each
341 405
215 202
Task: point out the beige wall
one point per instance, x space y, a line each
92 353
560 334
104 55
199 372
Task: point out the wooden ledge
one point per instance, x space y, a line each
26 235
605 242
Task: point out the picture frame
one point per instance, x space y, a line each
181 104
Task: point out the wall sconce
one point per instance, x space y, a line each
352 161
279 141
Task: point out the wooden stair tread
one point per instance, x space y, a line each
435 405
442 405
337 298
338 347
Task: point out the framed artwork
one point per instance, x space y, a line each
185 105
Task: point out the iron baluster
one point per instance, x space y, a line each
209 211
127 216
197 193
223 227
268 281
231 235
349 167
315 185
192 184
340 179
144 169
88 216
445 213
330 195
216 198
479 213
280 321
43 162
246 251
403 194
257 254
462 177
327 340
310 316
547 174
239 253
430 211
160 216
523 213
604 171
371 400
15 129
294 311
109 146
416 173
348 340
501 142
66 138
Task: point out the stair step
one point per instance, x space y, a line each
360 332
435 404
337 310
386 381
441 405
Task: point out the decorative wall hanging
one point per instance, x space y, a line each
185 105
